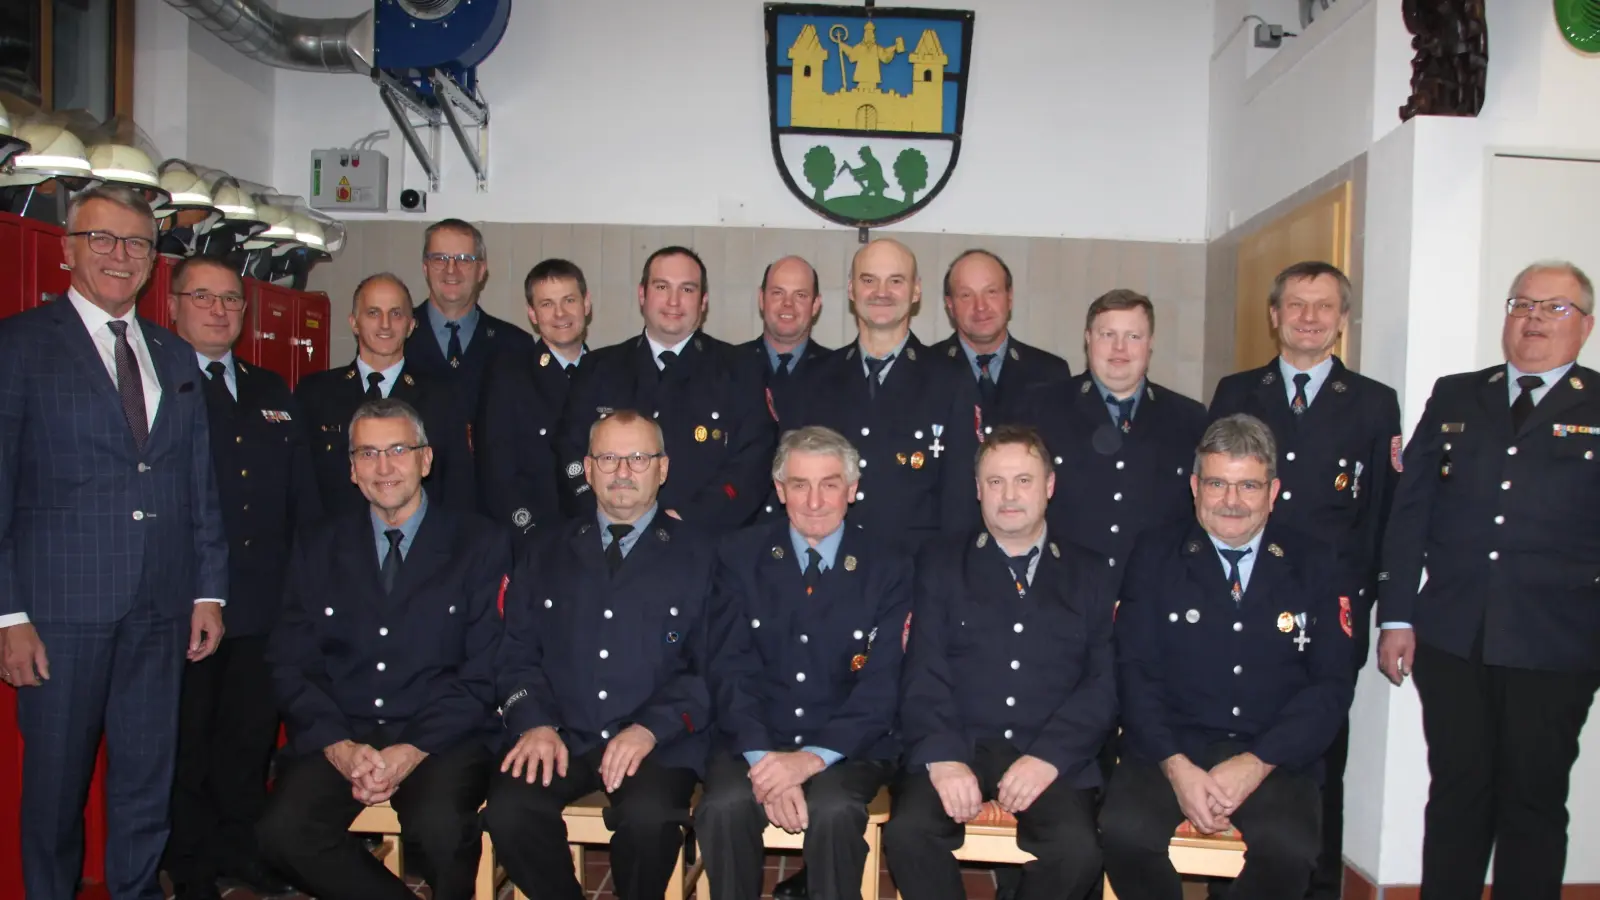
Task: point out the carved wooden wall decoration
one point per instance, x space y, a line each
1450 67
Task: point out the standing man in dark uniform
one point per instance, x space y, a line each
805 676
1338 437
1233 670
228 720
707 396
1122 444
912 413
455 339
1008 692
514 441
977 296
602 675
1498 502
383 662
380 316
113 561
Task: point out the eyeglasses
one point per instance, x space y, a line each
1247 488
1555 308
205 300
638 462
371 454
103 242
443 260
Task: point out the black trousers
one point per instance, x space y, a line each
304 832
1501 744
1327 879
1058 829
1279 822
729 823
227 726
647 816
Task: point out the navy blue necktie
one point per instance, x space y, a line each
453 350
391 561
1300 403
1124 411
875 367
1236 583
1523 407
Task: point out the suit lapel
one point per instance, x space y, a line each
1272 397
81 347
360 556
1494 397
171 381
1268 568
430 551
585 545
1562 396
1331 400
1205 566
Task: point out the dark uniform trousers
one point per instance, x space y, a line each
1058 829
1280 822
228 717
647 816
1338 462
305 831
1507 627
729 823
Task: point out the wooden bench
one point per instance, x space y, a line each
384 821
586 826
775 838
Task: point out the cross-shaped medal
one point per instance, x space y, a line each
1302 639
936 447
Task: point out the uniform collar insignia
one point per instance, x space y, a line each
1054 550
1576 382
849 563
952 351
911 353
488 332
1338 386
351 372
240 366
662 535
1275 550
1149 392
544 359
1269 377
777 552
1192 548
698 344
407 380
1499 375
584 528
983 540
1014 355
851 353
1087 387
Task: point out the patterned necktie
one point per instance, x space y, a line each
391 560
1523 407
1124 411
453 350
986 386
813 574
374 385
216 385
875 367
1019 569
614 549
1233 557
1299 403
130 385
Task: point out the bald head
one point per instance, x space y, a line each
884 288
881 249
789 303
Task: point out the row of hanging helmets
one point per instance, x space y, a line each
47 156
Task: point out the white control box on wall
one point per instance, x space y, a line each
350 180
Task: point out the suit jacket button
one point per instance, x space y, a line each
138 515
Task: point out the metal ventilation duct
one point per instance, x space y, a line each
287 42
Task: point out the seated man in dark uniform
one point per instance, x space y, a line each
806 629
1007 692
601 675
1233 670
383 661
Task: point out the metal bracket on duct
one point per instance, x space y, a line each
422 54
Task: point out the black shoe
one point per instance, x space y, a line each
199 890
791 888
1007 882
258 879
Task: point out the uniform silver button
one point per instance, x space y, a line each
143 467
866 431
604 734
1342 464
1499 520
383 632
1238 626
1287 495
378 703
1008 734
1011 701
608 614
138 516
1238 669
1015 665
1172 617
861 495
1505 485
1588 454
1121 464
381 667
755 623
1494 554
715 416
1447 446
1111 562
1236 710
656 414
798 712
548 603
1289 456
805 639
1117 496
799 676
988 429
1511 451
328 611
452 610
797 739
1017 628
769 509
602 695
1058 460
862 463
917 434
672 610
1115 529
541 432
605 654
856 634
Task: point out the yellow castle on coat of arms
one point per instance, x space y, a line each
866 107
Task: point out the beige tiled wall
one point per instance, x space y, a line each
1055 280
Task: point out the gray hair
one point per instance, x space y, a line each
388 408
628 417
458 225
1558 265
121 195
819 440
1238 436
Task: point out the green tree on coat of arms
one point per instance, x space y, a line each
820 169
910 170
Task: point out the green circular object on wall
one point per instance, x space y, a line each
1579 21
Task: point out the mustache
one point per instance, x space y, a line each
1012 508
1232 512
622 484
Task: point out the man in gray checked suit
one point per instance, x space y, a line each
113 563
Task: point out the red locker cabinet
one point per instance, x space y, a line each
312 324
273 327
153 299
13 274
42 246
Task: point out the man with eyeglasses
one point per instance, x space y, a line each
381 317
708 397
383 663
1233 676
227 721
601 674
1498 502
113 560
522 398
455 338
1339 438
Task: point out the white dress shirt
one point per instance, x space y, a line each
657 348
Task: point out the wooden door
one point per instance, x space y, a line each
1316 230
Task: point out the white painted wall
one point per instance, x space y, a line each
1086 119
